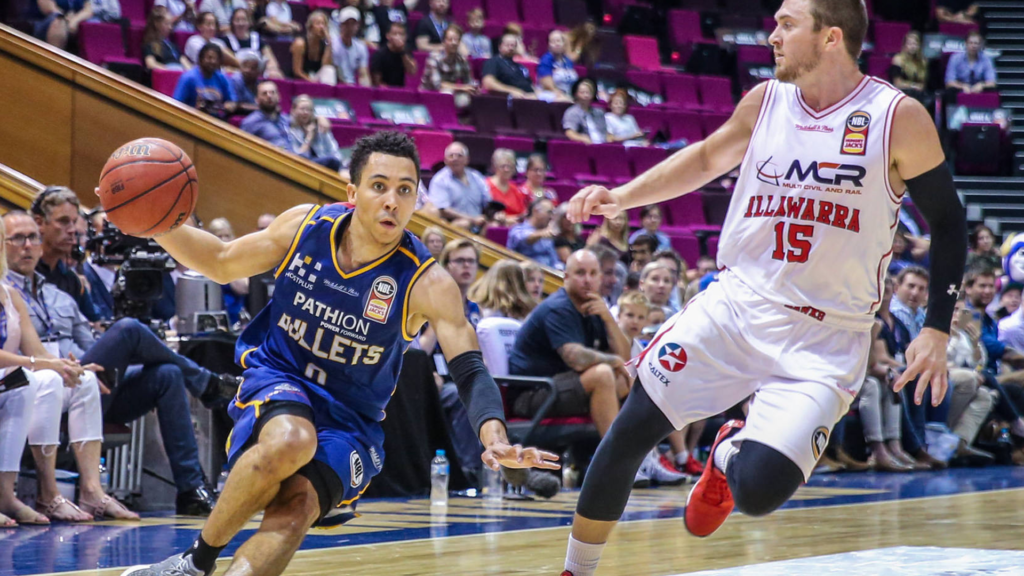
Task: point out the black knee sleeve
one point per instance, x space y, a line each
639 426
761 478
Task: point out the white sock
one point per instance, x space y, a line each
682 457
581 559
726 450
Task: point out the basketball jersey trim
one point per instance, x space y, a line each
881 280
766 102
411 256
890 117
295 241
818 115
241 360
408 292
334 252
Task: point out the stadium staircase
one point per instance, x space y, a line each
63 116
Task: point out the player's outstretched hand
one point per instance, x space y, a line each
926 361
593 200
501 454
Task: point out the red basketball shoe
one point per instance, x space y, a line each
710 501
693 466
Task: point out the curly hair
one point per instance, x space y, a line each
386 142
503 288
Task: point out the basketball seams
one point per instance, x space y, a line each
135 163
156 186
188 184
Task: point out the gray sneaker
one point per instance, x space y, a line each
174 566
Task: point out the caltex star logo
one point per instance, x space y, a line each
672 357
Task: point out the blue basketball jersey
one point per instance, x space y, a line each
340 333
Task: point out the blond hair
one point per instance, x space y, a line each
634 298
503 288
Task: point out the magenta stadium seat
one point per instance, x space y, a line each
570 13
768 23
978 150
564 190
415 80
889 36
712 122
431 144
399 95
684 125
461 7
712 246
134 48
683 28
650 120
645 80
514 143
98 42
716 93
642 52
442 110
314 89
610 160
716 206
503 11
325 5
569 160
685 211
644 158
134 11
179 38
491 113
498 235
878 66
286 91
281 48
687 246
961 29
358 98
700 5
681 90
480 147
236 121
534 117
347 134
982 100
761 55
165 81
300 11
539 13
535 38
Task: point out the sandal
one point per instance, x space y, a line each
7 522
58 508
107 507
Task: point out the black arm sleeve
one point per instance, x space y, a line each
477 389
934 194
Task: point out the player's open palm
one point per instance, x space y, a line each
500 453
593 200
926 361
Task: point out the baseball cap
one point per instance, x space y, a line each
349 13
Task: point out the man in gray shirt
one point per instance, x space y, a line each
350 53
459 192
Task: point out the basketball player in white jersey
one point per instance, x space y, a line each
826 155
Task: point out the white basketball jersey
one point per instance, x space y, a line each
811 221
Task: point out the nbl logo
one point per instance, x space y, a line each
382 296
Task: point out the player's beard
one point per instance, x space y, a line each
793 70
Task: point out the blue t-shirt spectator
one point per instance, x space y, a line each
561 70
193 88
273 129
553 324
543 250
961 69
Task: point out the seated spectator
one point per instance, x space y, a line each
241 36
460 192
351 56
58 20
433 238
971 71
650 222
567 235
622 127
972 401
222 11
983 252
158 52
429 33
503 292
205 87
534 277
909 69
233 294
573 338
311 136
555 72
613 274
268 122
613 233
1009 300
521 53
15 409
181 12
206 27
582 46
106 11
657 283
389 12
631 315
366 28
581 121
503 189
957 11
641 250
391 63
699 277
55 210
278 19
536 176
264 221
144 374
678 267
533 237
905 251
503 74
655 318
448 71
245 81
312 59
474 43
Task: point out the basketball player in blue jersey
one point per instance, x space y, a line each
322 359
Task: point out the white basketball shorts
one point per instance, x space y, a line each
729 343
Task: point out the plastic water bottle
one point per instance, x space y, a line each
492 488
104 475
439 480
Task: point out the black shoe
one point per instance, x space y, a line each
220 390
970 457
196 502
543 484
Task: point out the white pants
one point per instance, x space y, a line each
52 398
15 414
728 343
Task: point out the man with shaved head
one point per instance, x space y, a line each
460 192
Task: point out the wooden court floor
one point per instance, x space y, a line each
831 515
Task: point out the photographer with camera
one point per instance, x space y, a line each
140 370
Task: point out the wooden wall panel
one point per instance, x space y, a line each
35 122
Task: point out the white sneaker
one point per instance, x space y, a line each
176 565
642 480
660 475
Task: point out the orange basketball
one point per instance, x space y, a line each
148 187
